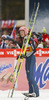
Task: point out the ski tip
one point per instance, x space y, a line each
38 3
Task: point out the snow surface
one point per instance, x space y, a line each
44 95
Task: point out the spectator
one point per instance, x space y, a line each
17 37
45 38
13 44
45 45
5 32
44 30
40 45
7 41
3 44
0 41
36 42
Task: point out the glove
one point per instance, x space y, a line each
18 56
22 56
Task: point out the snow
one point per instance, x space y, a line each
44 95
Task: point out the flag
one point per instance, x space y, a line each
13 35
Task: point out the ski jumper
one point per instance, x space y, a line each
30 60
29 66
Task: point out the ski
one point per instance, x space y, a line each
25 50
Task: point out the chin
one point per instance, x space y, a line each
22 36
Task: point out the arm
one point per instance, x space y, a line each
31 42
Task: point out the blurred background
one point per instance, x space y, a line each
43 14
13 9
17 13
10 11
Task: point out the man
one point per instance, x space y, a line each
30 63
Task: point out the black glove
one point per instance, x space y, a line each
22 56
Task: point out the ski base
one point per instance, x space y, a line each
26 97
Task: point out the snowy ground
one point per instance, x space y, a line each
44 95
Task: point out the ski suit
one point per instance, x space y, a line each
29 66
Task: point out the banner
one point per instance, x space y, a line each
16 52
8 63
6 70
41 72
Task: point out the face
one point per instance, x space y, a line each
7 41
22 34
10 42
44 43
0 39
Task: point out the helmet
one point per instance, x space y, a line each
44 30
36 40
40 46
24 29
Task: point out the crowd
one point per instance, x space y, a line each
41 40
